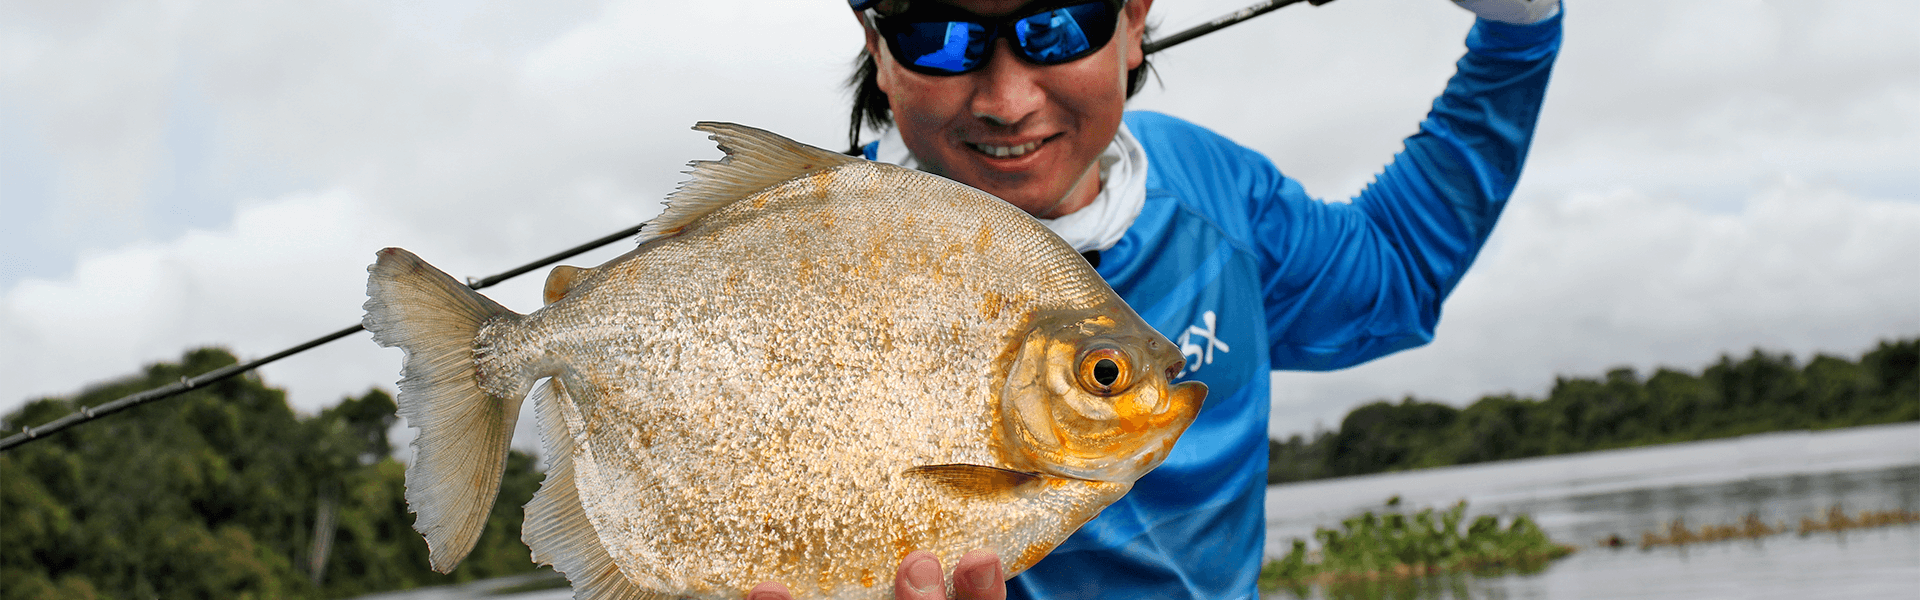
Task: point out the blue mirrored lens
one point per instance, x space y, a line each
1051 37
1055 36
952 46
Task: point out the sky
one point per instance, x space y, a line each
1707 177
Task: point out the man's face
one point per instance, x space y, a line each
1024 132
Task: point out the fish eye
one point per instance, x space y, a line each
1105 371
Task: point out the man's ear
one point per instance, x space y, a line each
873 37
1136 12
883 77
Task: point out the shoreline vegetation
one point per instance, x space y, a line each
1764 392
222 492
1370 550
227 492
1751 527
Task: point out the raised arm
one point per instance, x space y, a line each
1347 283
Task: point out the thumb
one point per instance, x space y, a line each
920 578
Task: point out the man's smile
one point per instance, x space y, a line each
1005 151
1002 149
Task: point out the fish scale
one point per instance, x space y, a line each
812 366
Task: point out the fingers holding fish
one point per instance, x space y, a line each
771 590
977 576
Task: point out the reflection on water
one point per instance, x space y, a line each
1440 586
542 585
1582 499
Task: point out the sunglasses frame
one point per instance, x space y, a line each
890 27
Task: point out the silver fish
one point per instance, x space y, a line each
811 366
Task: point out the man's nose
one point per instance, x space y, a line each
1008 88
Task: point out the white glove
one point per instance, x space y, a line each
1518 12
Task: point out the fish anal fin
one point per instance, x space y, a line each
973 481
556 529
560 281
756 160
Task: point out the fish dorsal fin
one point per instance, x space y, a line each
756 160
972 480
561 281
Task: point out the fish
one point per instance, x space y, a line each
810 366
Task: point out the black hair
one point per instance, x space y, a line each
870 108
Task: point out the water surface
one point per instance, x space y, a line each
1581 499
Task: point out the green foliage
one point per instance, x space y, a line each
1370 547
215 494
1763 392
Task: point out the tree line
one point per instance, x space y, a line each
224 492
1763 392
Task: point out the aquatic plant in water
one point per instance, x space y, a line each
1751 527
1837 520
1371 547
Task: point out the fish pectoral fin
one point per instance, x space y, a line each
973 480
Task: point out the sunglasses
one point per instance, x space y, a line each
942 40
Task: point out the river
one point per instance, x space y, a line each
1581 499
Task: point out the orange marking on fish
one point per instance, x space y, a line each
1032 554
901 547
822 184
942 267
805 271
1135 416
990 304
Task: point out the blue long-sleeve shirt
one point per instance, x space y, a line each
1248 274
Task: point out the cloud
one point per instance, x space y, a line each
502 127
258 284
1580 284
1713 99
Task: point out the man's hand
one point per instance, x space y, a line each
1518 12
976 577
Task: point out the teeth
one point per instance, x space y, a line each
1006 151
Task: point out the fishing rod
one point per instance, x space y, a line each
187 384
1222 22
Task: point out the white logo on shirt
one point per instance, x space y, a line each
1197 354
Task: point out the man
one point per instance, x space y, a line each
1205 239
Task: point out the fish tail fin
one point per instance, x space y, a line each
464 432
556 528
